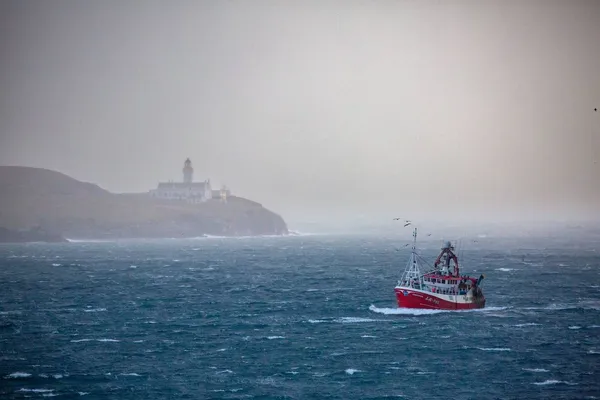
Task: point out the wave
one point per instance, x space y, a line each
234 237
17 375
298 233
36 390
419 311
553 382
353 320
344 320
94 310
583 305
494 349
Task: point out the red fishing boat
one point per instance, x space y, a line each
441 287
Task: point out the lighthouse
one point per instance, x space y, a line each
188 190
188 172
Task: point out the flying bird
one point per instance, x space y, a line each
429 234
407 224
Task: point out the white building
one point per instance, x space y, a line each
188 190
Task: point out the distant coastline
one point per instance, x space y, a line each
43 205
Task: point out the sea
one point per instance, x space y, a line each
308 316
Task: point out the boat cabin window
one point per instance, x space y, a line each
443 281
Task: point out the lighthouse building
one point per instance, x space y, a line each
188 190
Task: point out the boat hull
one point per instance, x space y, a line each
413 298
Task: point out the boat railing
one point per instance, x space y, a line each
454 291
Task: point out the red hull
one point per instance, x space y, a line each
417 299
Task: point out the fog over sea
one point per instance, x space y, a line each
297 317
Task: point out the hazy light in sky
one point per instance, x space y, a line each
349 107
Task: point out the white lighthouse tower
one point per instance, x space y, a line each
188 172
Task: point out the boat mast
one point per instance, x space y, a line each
412 273
414 240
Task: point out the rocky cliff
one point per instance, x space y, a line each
51 202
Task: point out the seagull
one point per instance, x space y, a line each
407 224
429 234
406 244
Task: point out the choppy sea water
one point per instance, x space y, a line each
294 318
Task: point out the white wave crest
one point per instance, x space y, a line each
344 320
352 371
353 320
420 311
553 382
298 233
404 311
226 371
17 375
535 370
97 340
494 349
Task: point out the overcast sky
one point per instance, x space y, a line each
313 107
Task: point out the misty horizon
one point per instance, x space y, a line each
361 110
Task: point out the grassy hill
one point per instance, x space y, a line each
34 198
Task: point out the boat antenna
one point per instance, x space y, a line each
415 239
